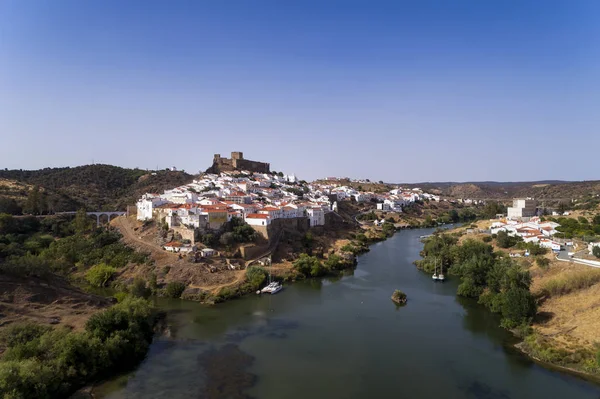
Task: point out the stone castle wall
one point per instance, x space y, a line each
237 162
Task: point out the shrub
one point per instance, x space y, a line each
174 289
542 262
309 265
596 251
256 276
42 362
487 239
399 296
334 262
139 290
99 275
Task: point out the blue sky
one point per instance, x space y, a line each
399 91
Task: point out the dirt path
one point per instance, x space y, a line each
131 238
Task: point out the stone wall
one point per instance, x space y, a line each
237 162
253 166
252 251
301 224
186 234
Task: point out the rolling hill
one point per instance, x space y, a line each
95 187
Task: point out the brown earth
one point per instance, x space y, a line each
52 301
568 319
171 267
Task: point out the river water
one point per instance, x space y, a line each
344 338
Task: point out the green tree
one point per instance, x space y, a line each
99 275
596 251
562 207
518 307
9 206
139 289
309 265
174 289
256 276
493 208
32 203
82 223
505 240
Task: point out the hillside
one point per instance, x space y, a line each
96 187
543 190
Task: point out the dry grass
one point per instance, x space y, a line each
570 282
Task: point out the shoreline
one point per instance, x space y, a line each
521 346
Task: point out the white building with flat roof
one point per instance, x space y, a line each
522 207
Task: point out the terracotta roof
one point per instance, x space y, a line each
172 244
257 216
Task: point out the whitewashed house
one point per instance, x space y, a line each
147 204
316 216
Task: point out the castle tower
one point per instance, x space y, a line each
237 155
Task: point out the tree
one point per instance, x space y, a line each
227 239
493 208
596 251
9 206
138 288
82 223
518 306
174 289
209 240
256 276
504 240
309 265
99 275
562 208
32 203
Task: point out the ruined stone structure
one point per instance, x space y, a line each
237 162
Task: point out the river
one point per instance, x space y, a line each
344 338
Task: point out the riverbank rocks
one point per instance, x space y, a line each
399 297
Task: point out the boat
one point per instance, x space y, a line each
435 275
272 288
441 276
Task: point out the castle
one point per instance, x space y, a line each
237 162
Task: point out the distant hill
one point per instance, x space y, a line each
96 187
551 190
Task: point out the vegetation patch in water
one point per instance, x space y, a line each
399 297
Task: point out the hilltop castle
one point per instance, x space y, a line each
237 162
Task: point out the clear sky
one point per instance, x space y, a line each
396 90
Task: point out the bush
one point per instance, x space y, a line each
139 289
42 362
505 240
487 239
596 251
399 296
542 262
309 266
174 289
256 276
518 306
99 275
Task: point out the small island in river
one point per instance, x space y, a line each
399 297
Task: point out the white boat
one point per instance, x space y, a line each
435 276
276 289
272 288
441 277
